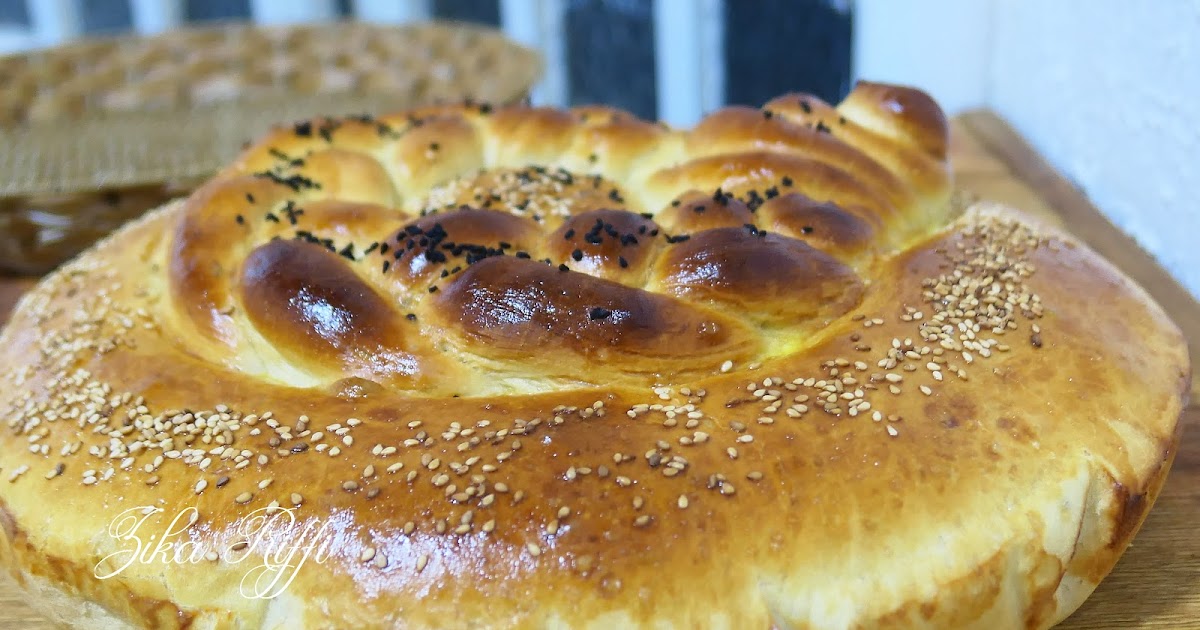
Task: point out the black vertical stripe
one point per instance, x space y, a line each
106 16
777 46
610 54
13 12
199 10
477 11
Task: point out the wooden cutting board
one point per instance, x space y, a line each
1157 582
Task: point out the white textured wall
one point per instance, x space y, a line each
1107 90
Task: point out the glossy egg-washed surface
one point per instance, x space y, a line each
537 368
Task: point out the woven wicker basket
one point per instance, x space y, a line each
99 131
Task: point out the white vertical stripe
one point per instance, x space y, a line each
14 39
156 16
55 21
392 11
688 59
712 54
539 24
292 11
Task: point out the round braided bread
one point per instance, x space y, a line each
541 368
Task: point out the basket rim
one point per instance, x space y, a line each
441 26
115 148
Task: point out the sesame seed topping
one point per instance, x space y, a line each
963 313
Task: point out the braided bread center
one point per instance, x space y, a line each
472 252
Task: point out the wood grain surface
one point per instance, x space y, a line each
1157 582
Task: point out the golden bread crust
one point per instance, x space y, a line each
545 369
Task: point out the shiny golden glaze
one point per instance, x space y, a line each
747 375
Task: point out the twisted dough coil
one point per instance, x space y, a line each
569 368
785 211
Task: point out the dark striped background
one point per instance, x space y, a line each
771 46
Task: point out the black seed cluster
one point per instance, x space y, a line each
435 246
296 182
599 313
